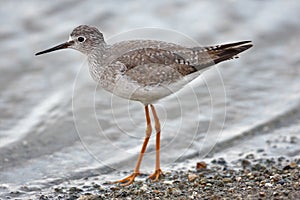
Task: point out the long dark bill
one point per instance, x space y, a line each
58 47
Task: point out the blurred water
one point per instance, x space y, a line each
42 143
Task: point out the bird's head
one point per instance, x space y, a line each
83 38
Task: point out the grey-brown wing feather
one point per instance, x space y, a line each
150 66
153 66
153 74
159 57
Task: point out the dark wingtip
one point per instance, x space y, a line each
236 44
244 47
228 51
243 42
246 44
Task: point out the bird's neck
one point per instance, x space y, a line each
97 60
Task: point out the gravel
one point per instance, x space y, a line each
245 178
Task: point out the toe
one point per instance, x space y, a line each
155 176
128 180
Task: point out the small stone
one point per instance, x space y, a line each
156 191
275 193
268 184
257 167
58 190
260 150
43 197
168 182
192 177
176 192
75 189
115 188
95 185
250 156
286 192
238 179
194 194
245 163
201 165
88 197
276 177
227 180
144 187
221 161
203 180
208 184
292 165
281 182
219 183
281 158
262 194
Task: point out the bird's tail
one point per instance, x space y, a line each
220 53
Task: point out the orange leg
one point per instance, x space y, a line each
129 179
155 176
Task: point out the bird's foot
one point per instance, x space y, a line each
129 179
155 176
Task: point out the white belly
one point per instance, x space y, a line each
128 89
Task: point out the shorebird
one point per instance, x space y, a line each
145 71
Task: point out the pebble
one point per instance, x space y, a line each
276 177
250 156
201 165
245 163
156 191
262 194
227 180
192 177
168 182
290 166
144 187
268 184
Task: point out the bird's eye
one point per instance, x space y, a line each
80 39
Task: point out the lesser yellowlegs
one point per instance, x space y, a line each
145 71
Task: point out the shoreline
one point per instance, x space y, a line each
263 178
